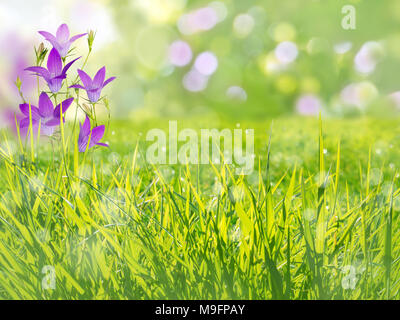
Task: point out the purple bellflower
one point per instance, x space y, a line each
55 73
95 134
93 87
61 41
46 114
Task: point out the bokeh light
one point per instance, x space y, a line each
283 32
308 105
273 52
236 93
286 52
151 46
159 11
202 19
368 57
220 9
206 63
395 98
180 53
243 25
359 94
343 47
195 81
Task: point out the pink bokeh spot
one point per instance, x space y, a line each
194 81
286 52
308 105
395 98
205 18
180 53
206 63
202 19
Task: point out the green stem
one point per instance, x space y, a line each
83 66
94 113
76 115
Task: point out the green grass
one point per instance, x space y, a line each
318 218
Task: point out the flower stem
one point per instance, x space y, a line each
94 113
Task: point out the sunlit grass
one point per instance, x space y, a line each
316 220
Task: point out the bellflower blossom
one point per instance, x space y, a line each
46 114
61 41
46 117
55 73
93 87
95 134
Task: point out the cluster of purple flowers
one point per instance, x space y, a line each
47 117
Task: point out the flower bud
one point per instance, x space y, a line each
106 103
86 108
18 83
91 35
41 53
41 47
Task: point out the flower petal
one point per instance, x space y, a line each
65 105
54 63
61 76
24 126
86 80
62 33
102 144
46 130
97 134
85 128
82 143
84 135
48 36
94 94
56 44
99 78
24 107
77 86
24 123
54 122
108 81
46 107
74 38
68 65
43 72
55 84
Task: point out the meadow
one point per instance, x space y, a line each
317 219
84 214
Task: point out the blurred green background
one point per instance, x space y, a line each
222 59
